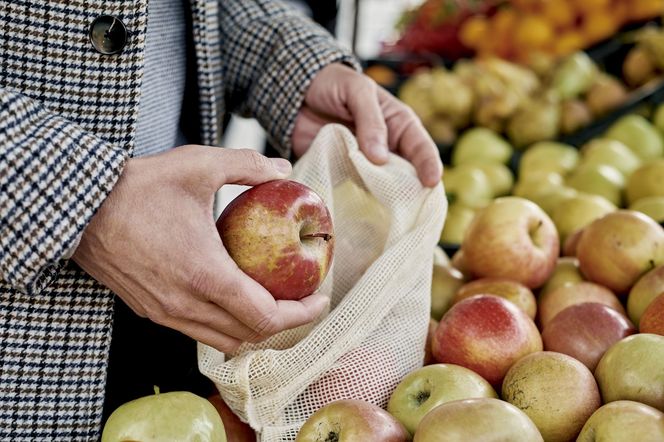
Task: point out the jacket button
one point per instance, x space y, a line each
108 34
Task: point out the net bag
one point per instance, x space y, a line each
386 226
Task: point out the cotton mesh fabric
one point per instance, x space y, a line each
386 228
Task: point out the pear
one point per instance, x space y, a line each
647 180
481 145
653 206
606 94
638 67
639 135
574 75
537 120
575 114
612 153
600 179
548 156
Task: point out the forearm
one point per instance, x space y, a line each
53 177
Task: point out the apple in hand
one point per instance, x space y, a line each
513 291
480 419
280 234
633 369
644 292
617 249
486 334
557 392
553 302
622 421
586 331
177 415
351 420
512 238
424 389
652 320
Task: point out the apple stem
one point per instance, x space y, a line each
156 389
325 236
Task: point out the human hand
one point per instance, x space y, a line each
155 244
339 94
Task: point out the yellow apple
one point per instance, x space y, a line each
600 179
575 213
646 181
653 206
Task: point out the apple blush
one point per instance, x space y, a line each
280 234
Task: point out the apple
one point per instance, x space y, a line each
236 430
611 153
424 389
601 179
513 291
606 94
177 415
557 392
531 186
480 419
548 156
575 213
571 243
500 177
512 238
632 369
646 181
550 198
622 421
467 185
280 234
652 320
553 302
481 145
617 249
639 135
444 284
456 224
566 272
428 355
350 419
486 334
653 206
459 263
644 292
586 331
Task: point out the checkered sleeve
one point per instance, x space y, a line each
53 177
270 54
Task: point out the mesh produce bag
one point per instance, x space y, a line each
386 226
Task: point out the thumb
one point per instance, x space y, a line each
243 166
370 126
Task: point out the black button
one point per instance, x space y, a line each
108 34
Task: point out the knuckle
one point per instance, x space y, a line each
267 326
174 308
201 282
230 347
255 162
256 337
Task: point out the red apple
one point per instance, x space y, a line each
586 331
350 419
236 430
513 291
652 320
572 243
617 249
479 419
486 334
644 292
280 234
556 391
512 238
428 355
553 302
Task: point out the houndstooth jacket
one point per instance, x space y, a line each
67 122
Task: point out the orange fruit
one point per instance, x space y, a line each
590 6
533 31
644 9
560 13
503 22
569 42
474 31
599 25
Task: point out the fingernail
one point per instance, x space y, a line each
378 151
282 165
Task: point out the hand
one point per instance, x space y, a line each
339 94
155 244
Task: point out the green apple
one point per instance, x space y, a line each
548 199
644 292
600 179
658 118
459 217
548 156
574 76
468 185
646 181
500 177
632 369
531 186
444 284
481 419
575 213
653 206
351 420
611 153
639 135
424 389
481 145
175 416
622 421
565 273
557 392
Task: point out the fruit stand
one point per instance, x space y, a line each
546 318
